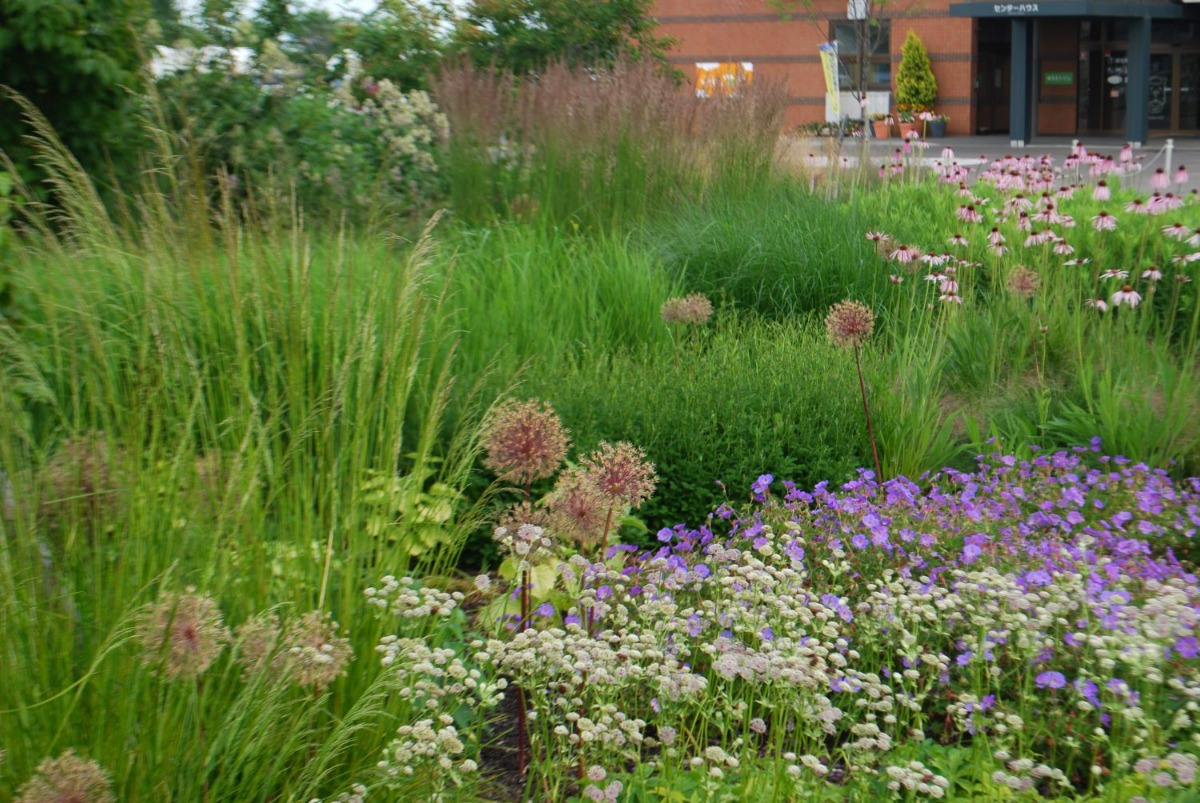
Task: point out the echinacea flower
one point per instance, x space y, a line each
185 632
968 214
1181 175
1177 231
1114 274
849 323
1152 274
959 240
1137 206
1104 221
1101 192
525 441
1075 263
67 779
1126 295
1098 304
995 237
906 253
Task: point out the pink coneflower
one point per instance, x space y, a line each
1159 180
1104 221
1179 277
1181 175
525 441
1075 263
959 240
906 253
1063 248
1152 273
948 285
1115 274
963 190
995 237
1137 206
621 473
1187 259
936 259
1101 192
1046 214
1018 202
1126 295
875 236
1126 153
1157 204
950 298
948 155
896 279
1171 202
184 633
1023 222
1194 239
936 276
1097 303
998 250
67 779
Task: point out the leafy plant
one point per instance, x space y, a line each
916 86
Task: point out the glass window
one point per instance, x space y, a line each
875 35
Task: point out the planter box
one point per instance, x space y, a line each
881 128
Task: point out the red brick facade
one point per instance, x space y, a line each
753 31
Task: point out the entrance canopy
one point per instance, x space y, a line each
1075 8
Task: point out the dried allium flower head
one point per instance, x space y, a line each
185 632
1023 282
81 477
525 441
312 652
514 516
256 640
621 473
67 779
693 309
849 323
577 507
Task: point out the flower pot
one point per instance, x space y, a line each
881 128
937 129
906 129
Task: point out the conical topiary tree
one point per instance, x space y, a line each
916 88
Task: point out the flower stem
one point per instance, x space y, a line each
862 387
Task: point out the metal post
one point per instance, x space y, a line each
1137 95
1168 153
1018 109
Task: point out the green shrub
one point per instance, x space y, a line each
916 87
750 397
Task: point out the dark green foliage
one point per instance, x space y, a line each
79 63
399 41
777 251
746 399
525 35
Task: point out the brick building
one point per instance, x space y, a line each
1029 69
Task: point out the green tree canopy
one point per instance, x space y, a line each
80 63
525 35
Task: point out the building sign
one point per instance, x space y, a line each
1015 8
1059 78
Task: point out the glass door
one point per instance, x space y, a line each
1159 105
1189 92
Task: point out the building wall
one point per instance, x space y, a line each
1058 50
786 50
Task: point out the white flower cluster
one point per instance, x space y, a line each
917 778
402 598
524 541
425 745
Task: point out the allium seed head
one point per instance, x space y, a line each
525 441
185 632
256 640
1023 282
849 323
312 652
693 309
621 473
577 507
67 779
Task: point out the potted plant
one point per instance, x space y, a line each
916 88
937 125
881 125
907 117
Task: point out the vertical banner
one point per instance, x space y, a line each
829 63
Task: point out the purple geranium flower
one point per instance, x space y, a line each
1051 680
